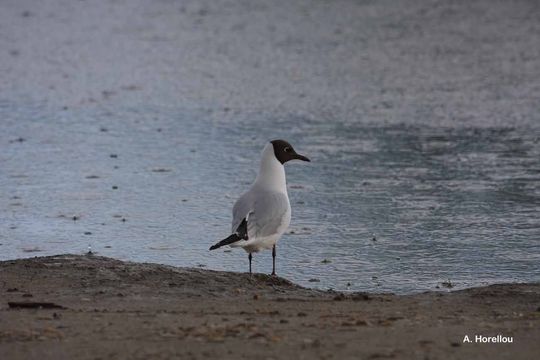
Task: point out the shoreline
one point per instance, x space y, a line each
95 307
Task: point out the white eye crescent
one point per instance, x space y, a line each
287 149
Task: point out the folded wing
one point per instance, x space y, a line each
269 215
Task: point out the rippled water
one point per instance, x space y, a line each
380 208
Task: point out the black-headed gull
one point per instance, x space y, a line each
263 213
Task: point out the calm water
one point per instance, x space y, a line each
394 208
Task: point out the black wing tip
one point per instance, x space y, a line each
232 238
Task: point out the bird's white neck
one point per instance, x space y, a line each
271 173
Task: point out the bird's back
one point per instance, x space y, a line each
242 207
268 212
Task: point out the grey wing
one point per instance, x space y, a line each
268 215
241 210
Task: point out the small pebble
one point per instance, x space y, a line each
447 284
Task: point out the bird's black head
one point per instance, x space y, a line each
285 152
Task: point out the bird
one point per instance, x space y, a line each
263 213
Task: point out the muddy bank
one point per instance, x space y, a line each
101 308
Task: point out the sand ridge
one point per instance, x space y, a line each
114 309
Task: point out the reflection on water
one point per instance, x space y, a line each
380 208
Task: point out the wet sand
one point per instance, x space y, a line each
102 308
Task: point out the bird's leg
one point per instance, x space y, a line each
274 260
250 257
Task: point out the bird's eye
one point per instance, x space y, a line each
287 149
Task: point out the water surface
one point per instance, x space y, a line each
380 208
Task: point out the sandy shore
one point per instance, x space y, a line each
101 308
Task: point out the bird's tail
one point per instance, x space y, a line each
231 239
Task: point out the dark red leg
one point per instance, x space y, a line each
274 260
